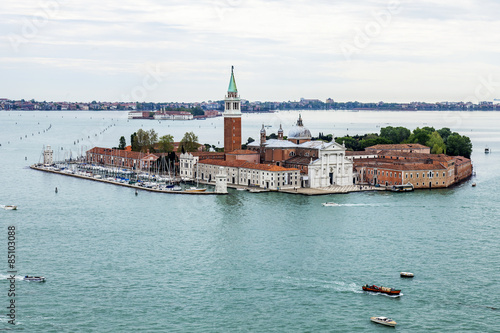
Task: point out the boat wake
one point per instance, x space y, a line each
339 286
363 205
383 294
6 276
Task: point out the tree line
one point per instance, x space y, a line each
144 141
441 141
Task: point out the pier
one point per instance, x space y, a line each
134 186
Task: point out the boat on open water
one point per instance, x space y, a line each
384 321
383 290
406 274
34 278
10 207
330 204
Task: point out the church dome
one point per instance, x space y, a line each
299 131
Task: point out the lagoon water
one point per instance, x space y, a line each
245 262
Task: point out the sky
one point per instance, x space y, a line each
182 51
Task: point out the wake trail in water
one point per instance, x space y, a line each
6 276
364 205
339 286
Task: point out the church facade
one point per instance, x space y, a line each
322 164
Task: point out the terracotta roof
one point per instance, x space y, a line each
246 165
356 153
382 164
300 160
117 153
398 146
242 152
461 160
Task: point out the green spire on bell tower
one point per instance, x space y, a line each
232 83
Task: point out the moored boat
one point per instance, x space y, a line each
406 274
196 189
384 321
34 278
384 290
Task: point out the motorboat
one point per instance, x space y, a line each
384 321
330 204
34 278
406 274
473 184
402 188
195 189
384 290
10 207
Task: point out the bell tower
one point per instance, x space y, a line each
232 117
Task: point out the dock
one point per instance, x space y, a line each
41 168
333 189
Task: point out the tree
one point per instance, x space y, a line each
146 139
444 132
395 134
436 143
350 142
166 143
134 143
271 136
189 142
458 145
372 141
420 135
142 139
123 143
250 140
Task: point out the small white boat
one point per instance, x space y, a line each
196 189
406 274
384 321
10 207
473 184
330 204
34 278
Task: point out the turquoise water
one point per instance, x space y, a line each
267 262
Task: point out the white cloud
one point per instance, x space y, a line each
282 50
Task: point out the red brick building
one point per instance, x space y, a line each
232 117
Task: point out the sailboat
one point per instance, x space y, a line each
196 189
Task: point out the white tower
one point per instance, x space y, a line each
221 182
47 156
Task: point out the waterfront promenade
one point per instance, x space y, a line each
302 191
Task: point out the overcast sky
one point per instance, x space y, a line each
173 50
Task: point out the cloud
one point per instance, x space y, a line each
283 50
